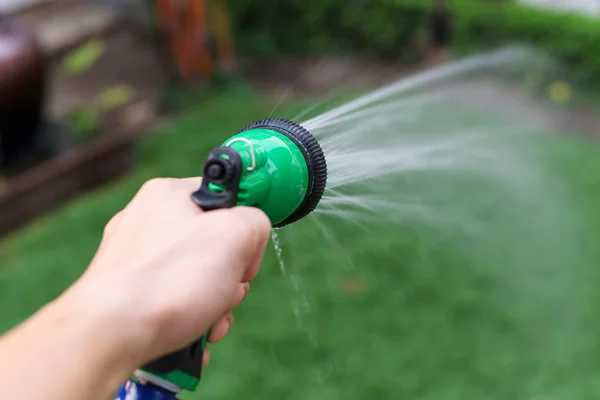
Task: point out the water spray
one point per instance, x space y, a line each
273 164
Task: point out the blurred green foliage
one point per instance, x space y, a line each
84 122
114 97
84 57
569 37
300 27
392 29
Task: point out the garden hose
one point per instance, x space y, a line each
273 164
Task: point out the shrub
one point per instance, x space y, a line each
300 27
571 38
391 28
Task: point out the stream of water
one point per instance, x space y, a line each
394 155
415 125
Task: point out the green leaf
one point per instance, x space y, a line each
114 97
84 122
83 58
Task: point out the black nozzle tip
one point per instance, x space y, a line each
315 161
215 171
218 170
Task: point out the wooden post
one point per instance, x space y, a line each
440 30
191 26
224 43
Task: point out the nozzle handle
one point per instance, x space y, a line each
219 189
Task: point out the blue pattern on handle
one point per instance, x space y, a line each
132 390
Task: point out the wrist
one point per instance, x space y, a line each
74 348
105 318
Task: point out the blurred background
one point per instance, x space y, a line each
97 96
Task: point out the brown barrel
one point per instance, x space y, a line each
23 75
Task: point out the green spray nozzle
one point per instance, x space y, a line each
283 171
272 164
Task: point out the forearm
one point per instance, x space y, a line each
64 352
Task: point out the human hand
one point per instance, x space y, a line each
166 271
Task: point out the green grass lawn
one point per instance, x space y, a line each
395 310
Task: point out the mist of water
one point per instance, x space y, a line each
399 154
416 125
